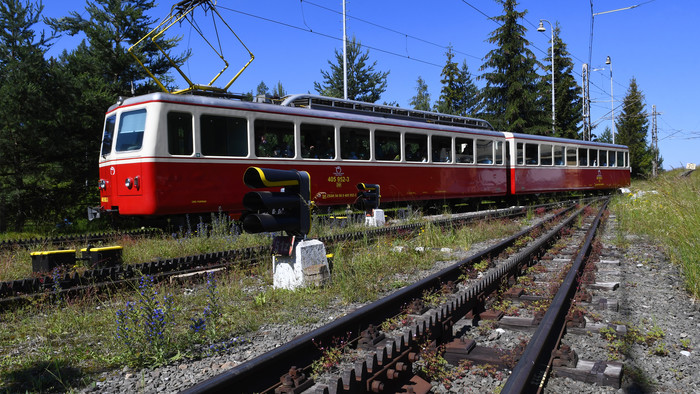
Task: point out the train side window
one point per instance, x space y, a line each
354 143
274 139
603 158
387 145
571 156
131 127
441 149
520 149
317 141
545 155
484 151
620 159
465 150
180 133
583 157
416 148
108 135
224 136
558 155
499 152
531 154
593 157
612 158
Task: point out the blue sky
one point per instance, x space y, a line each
656 43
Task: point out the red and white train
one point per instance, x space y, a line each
165 154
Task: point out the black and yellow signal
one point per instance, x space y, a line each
286 210
367 196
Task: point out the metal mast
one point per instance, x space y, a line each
345 58
654 143
586 104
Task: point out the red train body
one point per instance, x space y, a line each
166 154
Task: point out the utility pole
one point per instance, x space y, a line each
586 104
542 29
612 102
654 143
345 58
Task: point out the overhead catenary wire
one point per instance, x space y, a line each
407 35
308 30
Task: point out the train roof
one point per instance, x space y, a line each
384 111
325 107
356 111
544 138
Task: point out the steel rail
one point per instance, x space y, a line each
536 356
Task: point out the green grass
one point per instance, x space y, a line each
669 212
197 238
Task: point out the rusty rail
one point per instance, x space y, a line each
535 358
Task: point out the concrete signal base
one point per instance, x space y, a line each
306 266
377 218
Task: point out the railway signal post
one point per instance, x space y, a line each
368 200
296 261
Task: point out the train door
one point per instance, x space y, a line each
510 163
507 162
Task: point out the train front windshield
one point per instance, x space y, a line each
108 135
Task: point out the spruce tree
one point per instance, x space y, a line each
605 136
278 90
451 95
26 111
512 98
262 89
632 129
111 27
459 94
421 101
471 99
83 98
364 83
567 98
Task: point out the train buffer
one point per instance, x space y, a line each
46 261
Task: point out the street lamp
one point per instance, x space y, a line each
542 29
612 101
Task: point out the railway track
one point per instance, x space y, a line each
385 361
73 239
67 283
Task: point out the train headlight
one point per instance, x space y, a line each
129 183
102 184
137 182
